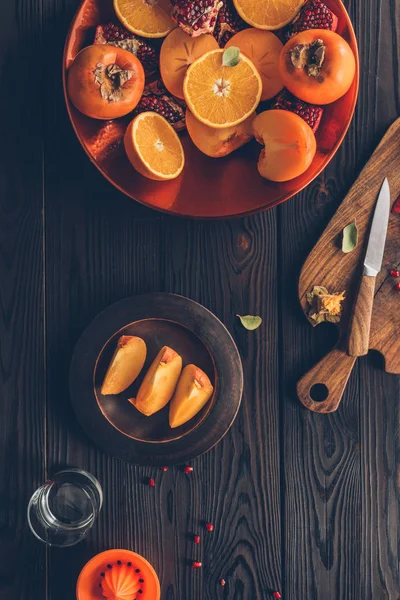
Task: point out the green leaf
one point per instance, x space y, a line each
231 57
350 238
250 322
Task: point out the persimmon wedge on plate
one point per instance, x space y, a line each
193 391
125 366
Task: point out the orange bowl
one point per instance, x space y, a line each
207 188
120 571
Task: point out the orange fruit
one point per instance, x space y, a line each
153 147
218 142
263 48
289 144
222 96
149 18
178 52
268 14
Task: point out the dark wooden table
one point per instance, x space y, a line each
302 503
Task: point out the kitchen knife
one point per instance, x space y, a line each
360 324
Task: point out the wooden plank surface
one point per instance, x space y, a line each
22 389
304 503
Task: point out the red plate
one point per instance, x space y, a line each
207 188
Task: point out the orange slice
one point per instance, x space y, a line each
222 96
153 147
149 18
178 52
268 14
263 48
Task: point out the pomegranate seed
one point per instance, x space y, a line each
188 469
197 539
395 273
209 526
222 582
164 469
152 483
398 286
276 595
196 565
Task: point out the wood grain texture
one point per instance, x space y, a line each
22 390
301 502
360 322
341 486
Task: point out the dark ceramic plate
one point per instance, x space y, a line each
207 188
160 319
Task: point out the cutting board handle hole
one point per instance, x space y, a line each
319 392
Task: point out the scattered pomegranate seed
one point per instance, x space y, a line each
209 526
188 469
396 206
276 595
395 273
197 539
164 469
196 565
152 483
398 286
222 582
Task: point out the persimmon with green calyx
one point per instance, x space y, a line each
105 82
159 382
289 144
317 66
193 391
125 366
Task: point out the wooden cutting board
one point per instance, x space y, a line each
328 266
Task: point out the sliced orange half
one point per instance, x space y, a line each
153 147
268 14
222 96
149 18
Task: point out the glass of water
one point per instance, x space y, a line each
63 510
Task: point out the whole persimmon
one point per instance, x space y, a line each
289 144
105 82
318 66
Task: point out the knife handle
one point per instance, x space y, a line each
360 324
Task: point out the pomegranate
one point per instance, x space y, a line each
156 98
228 23
396 207
311 113
196 18
314 15
116 35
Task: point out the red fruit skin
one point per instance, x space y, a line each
156 98
314 15
196 18
396 207
116 35
228 23
310 113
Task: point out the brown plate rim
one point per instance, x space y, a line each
211 332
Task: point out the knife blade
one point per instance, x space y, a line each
360 324
377 237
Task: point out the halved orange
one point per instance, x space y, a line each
153 147
222 96
268 14
149 18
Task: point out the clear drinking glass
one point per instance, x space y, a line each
63 510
